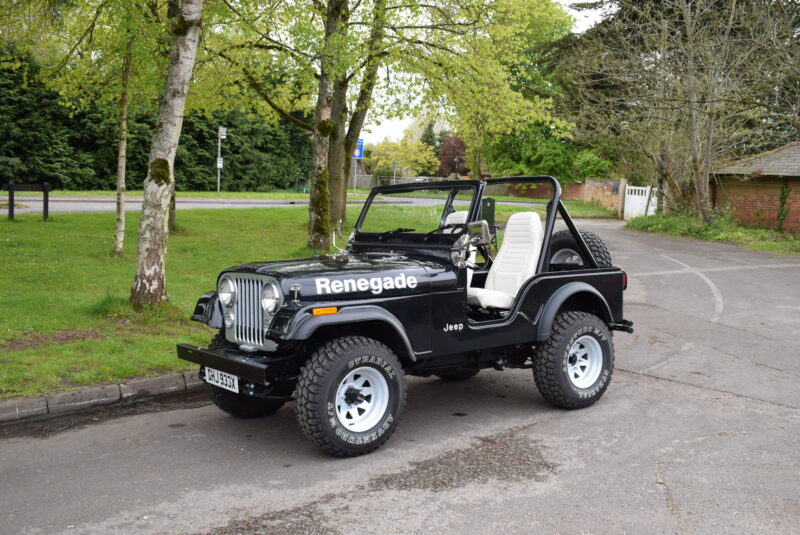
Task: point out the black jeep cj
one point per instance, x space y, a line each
417 292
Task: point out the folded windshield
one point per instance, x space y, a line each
420 211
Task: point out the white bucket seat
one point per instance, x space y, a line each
514 264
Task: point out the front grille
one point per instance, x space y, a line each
248 327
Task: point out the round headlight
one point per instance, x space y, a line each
270 297
227 292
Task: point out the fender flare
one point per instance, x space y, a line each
558 298
208 310
307 325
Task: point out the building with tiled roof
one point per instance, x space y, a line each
761 189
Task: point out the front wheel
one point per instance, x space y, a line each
573 367
351 395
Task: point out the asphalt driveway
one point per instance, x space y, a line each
697 433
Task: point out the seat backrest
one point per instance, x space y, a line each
516 261
455 218
459 218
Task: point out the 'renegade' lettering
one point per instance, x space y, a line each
376 285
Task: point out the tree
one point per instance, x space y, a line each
681 83
335 50
149 283
412 156
485 90
452 157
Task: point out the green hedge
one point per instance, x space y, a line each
42 141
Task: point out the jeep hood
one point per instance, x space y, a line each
352 276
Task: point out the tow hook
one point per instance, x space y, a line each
624 325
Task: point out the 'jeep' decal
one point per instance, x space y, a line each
375 284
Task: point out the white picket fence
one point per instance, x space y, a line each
635 200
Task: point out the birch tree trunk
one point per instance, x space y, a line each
122 149
149 283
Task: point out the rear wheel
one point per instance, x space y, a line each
573 367
564 249
351 395
460 373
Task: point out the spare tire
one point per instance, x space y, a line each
564 249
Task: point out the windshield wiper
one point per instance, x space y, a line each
394 231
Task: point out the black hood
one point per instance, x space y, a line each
349 276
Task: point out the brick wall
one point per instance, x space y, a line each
755 202
604 192
569 192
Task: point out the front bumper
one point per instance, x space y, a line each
244 366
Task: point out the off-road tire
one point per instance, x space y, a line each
460 373
551 357
239 405
317 387
563 239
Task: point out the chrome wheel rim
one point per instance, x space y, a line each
585 361
361 399
566 256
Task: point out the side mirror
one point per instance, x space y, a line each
479 230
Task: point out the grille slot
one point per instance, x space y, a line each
249 324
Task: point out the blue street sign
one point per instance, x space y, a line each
359 153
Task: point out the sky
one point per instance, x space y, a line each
393 128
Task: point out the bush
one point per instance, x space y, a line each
43 141
721 229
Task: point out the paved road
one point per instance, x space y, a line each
66 204
697 433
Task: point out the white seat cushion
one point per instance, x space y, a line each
489 298
514 264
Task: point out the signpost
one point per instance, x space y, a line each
222 134
357 155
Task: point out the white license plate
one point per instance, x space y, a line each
222 379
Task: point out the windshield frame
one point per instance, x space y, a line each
476 186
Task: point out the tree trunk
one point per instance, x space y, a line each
149 283
171 224
122 149
692 126
319 223
319 215
338 159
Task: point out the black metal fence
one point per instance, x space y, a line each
45 188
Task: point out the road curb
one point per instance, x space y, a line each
74 401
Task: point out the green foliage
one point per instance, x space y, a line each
42 141
532 151
589 164
722 229
413 157
37 143
783 210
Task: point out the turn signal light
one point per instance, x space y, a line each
324 311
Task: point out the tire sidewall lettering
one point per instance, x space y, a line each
371 435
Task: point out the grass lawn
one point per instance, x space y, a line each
64 318
721 230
